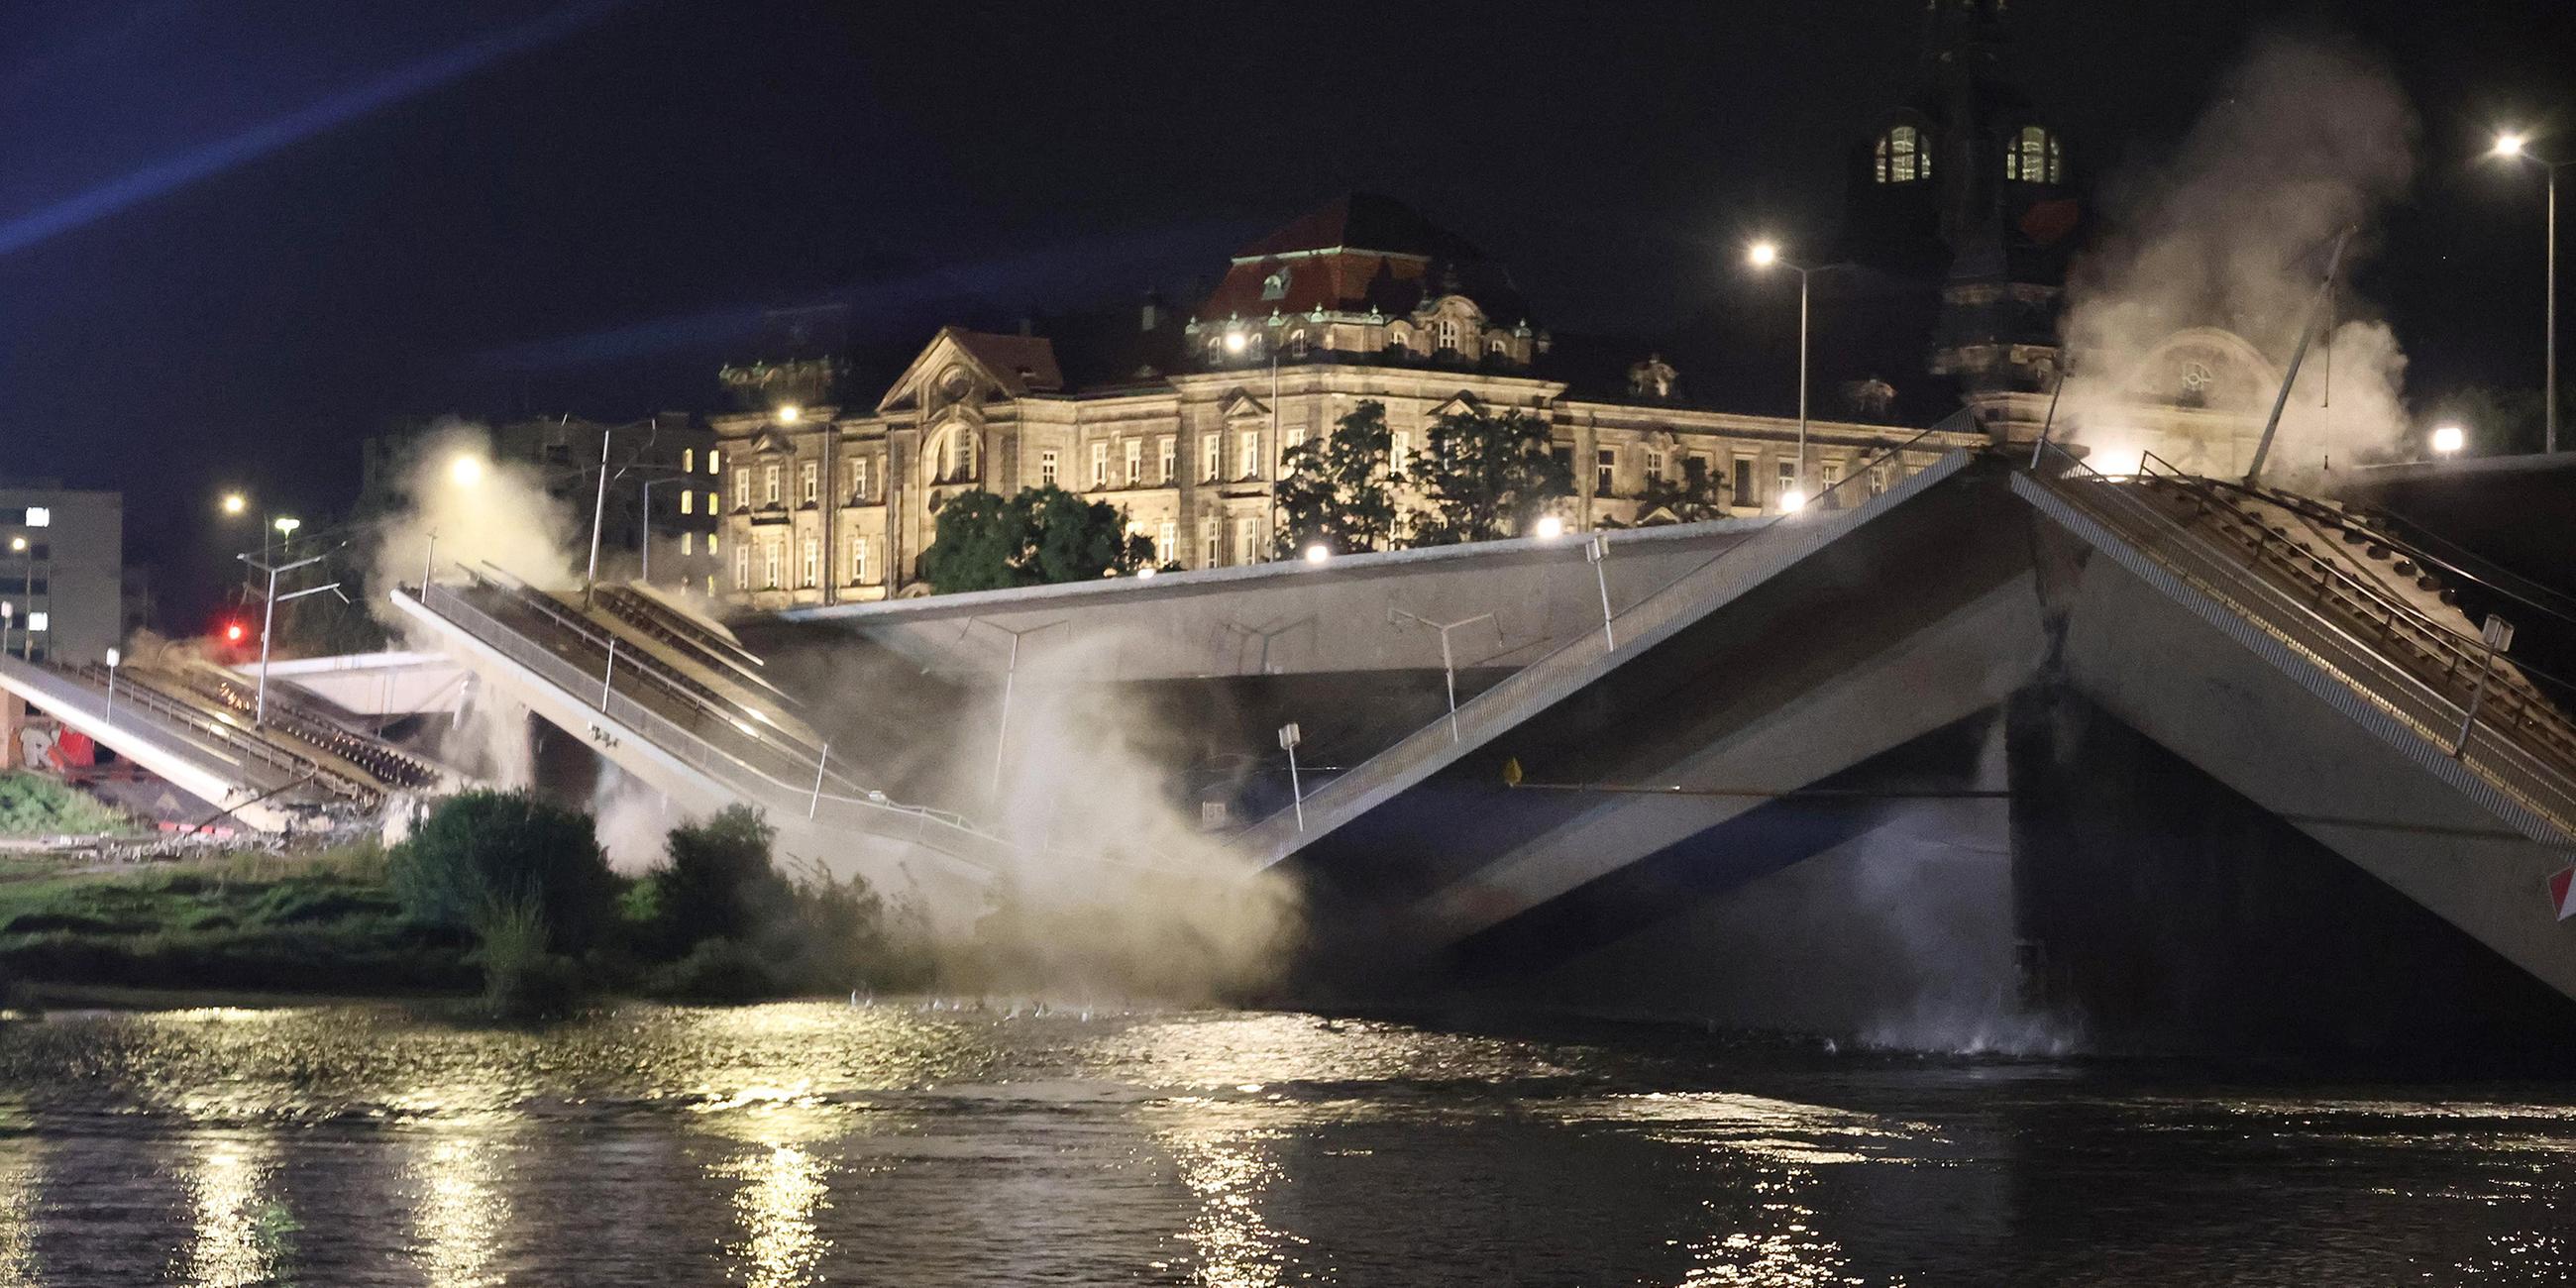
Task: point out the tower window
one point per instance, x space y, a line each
1904 155
2034 157
1275 286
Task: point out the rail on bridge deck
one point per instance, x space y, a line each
196 726
681 706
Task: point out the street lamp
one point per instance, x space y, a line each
235 503
2517 146
112 659
466 470
1765 254
1318 553
2448 439
1549 527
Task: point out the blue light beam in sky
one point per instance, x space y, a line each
169 175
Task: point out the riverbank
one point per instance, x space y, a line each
248 923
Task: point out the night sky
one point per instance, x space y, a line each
237 236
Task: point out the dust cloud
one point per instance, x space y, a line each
2308 137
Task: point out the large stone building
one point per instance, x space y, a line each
62 565
1362 300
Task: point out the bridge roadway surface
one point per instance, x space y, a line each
2268 644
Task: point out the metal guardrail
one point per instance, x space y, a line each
2511 700
1645 621
140 695
932 829
2364 676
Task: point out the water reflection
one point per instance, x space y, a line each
783 1181
460 1212
242 1234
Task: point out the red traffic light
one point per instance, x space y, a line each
232 632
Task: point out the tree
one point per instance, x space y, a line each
985 541
717 879
1693 498
1488 476
1339 490
483 858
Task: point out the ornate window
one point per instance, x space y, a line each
1904 155
806 482
1447 330
1275 286
2034 157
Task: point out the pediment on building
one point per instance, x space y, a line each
2203 367
1239 403
1461 403
961 368
768 442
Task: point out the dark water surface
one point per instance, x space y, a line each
810 1144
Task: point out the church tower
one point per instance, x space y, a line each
1967 192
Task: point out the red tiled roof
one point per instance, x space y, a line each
1024 363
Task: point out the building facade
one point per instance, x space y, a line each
1361 301
62 571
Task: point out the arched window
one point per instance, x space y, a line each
1447 329
2034 157
1904 155
1297 343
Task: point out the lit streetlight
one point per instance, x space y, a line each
2516 146
790 414
1318 553
112 659
466 470
1766 254
2448 439
1548 528
234 503
18 547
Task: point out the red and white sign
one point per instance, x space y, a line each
2562 885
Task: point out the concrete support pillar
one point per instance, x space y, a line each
13 717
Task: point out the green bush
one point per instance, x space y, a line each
483 849
521 978
731 927
33 805
716 880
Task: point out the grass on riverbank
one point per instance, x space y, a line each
249 921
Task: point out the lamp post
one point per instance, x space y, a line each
113 657
1765 255
2518 146
2448 439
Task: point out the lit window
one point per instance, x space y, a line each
711 502
711 543
1496 345
1247 453
1297 343
1655 465
1902 156
1135 459
1100 465
39 517
1046 469
813 568
2034 157
1170 452
806 476
688 459
688 543
712 462
687 499
769 485
1211 448
1447 330
38 619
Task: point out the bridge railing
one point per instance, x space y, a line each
137 694
758 782
2366 676
1648 619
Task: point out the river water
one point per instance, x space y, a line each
912 1145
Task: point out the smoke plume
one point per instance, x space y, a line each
2306 139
